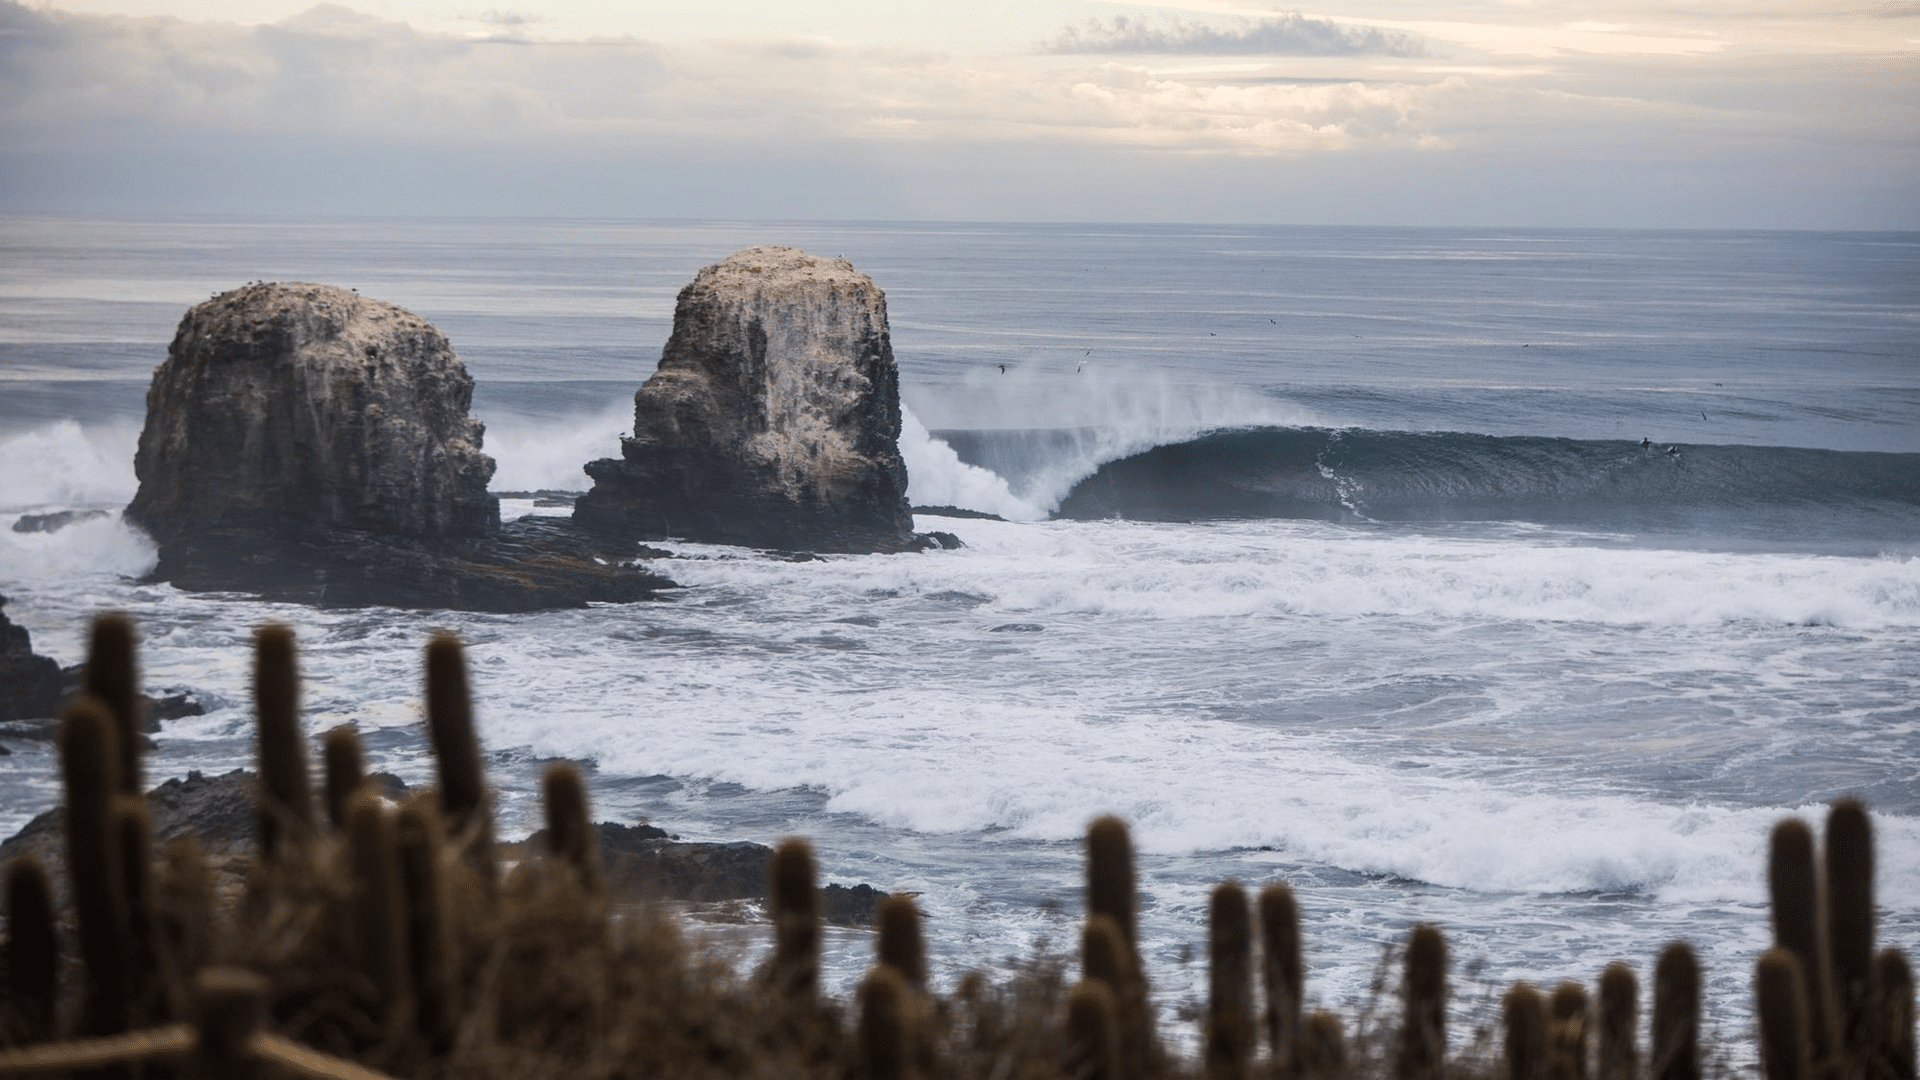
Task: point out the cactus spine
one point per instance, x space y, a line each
1676 1014
32 952
286 791
1423 1030
1619 1023
1782 1006
1525 1014
1284 973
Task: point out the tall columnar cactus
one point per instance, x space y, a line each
113 677
345 769
1110 886
1524 1012
900 944
1850 922
1106 958
1782 1007
1893 1014
89 761
796 920
32 952
884 1035
456 749
1567 1032
1676 1014
286 790
377 929
1619 1023
1110 896
1323 1047
571 837
1423 1028
1794 887
134 841
431 957
1093 1032
1230 1039
1284 973
184 911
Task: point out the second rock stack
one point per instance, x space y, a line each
773 419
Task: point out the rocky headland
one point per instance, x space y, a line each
307 443
772 421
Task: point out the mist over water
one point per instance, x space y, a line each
1361 579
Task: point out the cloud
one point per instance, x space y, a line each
506 18
1282 35
335 111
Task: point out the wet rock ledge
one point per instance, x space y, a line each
310 444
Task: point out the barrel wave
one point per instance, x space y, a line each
1764 494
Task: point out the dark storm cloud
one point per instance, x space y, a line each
1282 35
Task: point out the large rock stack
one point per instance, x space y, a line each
773 419
308 443
289 408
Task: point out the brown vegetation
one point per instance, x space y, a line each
389 936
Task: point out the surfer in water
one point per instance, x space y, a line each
1673 451
1645 442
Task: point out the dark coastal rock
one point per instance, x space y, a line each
645 861
310 444
55 521
773 420
30 685
217 809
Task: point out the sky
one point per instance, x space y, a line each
1631 113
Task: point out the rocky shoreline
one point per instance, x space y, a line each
640 862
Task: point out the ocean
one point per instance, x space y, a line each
1330 555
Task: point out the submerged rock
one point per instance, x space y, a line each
308 443
30 685
773 419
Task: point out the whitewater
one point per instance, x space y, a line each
1323 555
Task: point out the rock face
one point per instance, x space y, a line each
773 420
291 406
30 686
309 443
